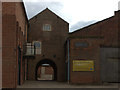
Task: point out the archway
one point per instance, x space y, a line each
46 64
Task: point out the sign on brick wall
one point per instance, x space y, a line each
83 65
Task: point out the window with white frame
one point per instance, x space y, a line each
30 49
37 45
46 27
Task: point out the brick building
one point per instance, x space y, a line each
48 33
88 55
97 43
14 36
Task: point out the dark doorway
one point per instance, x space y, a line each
46 70
19 64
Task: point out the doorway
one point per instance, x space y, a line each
109 64
46 70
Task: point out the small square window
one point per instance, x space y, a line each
46 27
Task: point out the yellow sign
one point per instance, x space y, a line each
83 65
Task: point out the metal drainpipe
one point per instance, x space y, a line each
68 63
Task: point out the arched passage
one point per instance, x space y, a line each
50 63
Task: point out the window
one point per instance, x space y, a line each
81 44
37 45
46 27
30 49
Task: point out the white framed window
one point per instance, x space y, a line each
46 27
30 49
38 47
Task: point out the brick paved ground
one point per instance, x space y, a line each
53 84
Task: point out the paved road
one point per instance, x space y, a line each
53 84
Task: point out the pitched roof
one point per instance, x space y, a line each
51 12
84 28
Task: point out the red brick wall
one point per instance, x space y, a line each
20 16
12 37
8 8
8 51
103 33
88 53
107 29
49 70
39 71
52 42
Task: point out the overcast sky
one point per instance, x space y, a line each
78 13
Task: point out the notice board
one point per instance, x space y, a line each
83 65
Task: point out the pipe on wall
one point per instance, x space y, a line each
68 43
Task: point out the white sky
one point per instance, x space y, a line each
74 11
88 10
